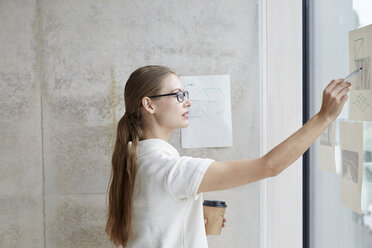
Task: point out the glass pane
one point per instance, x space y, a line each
332 224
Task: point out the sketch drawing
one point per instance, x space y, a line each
210 108
358 48
361 102
350 165
362 82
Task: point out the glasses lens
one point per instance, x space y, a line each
180 97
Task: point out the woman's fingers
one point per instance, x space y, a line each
339 87
342 92
223 222
332 84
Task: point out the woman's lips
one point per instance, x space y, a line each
186 115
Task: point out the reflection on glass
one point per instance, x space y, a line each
363 9
335 225
367 176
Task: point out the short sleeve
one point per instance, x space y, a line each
185 175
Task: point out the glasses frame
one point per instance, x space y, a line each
178 94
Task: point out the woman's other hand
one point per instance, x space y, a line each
223 222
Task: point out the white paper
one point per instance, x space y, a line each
210 112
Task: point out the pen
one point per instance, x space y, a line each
352 75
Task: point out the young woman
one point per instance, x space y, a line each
155 195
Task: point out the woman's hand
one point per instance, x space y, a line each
223 222
334 98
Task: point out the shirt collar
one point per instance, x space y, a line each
149 145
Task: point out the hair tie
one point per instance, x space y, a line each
129 116
132 118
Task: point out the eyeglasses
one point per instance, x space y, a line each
180 95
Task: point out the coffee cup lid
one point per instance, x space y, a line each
220 204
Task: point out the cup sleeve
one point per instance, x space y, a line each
185 176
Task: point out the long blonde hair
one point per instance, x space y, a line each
144 81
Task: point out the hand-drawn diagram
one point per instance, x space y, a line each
361 102
350 164
360 53
213 108
363 80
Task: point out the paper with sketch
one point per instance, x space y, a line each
326 146
351 145
360 54
210 112
326 149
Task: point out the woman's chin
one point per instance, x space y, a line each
187 123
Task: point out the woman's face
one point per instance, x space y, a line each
170 113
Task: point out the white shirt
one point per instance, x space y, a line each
167 211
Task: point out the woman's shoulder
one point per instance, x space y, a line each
154 146
157 156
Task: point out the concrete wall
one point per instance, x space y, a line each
63 67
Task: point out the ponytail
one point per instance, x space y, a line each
124 168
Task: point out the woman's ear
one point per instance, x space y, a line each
148 105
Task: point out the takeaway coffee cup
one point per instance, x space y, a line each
214 212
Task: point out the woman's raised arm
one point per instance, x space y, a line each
223 175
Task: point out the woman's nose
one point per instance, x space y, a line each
188 102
